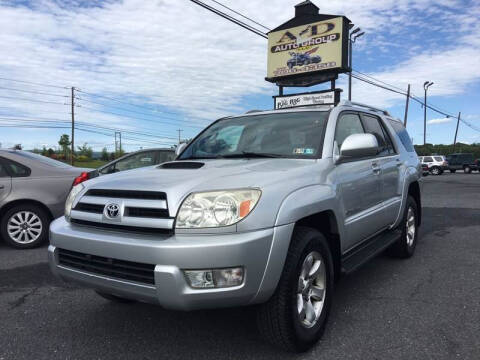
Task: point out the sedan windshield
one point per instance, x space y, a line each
287 135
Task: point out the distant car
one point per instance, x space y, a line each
425 171
299 59
33 190
462 161
436 163
136 160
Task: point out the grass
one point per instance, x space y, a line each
93 164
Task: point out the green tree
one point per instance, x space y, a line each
104 154
85 150
44 151
50 152
64 143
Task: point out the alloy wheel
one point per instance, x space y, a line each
311 289
411 226
24 227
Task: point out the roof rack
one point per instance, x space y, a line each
351 103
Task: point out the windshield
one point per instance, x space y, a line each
289 135
43 159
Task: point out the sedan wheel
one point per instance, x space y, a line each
24 227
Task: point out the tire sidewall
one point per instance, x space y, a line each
410 249
306 337
44 218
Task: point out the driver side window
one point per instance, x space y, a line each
347 124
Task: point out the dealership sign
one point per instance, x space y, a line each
310 43
329 97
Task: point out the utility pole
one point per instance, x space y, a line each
351 40
406 107
179 132
120 134
456 132
73 125
426 85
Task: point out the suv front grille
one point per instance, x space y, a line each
135 210
119 269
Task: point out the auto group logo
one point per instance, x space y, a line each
112 211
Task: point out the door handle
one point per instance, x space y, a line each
399 163
375 168
2 187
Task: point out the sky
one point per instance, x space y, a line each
150 68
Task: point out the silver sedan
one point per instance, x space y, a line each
33 190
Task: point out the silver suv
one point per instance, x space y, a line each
267 208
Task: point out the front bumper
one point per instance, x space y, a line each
261 253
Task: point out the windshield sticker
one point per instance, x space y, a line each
304 151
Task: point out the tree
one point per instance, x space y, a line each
44 151
85 150
64 143
104 154
50 152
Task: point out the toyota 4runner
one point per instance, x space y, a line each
267 208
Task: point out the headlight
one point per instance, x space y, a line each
216 208
71 198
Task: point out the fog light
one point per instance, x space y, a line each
200 279
216 278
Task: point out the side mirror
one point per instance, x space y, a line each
359 146
180 148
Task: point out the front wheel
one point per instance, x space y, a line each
25 226
295 316
405 246
467 169
436 171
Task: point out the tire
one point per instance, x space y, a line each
279 320
25 226
436 171
115 298
467 169
405 246
452 171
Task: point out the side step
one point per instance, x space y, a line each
367 250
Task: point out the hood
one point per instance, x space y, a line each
216 174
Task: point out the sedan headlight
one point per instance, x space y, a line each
216 208
71 198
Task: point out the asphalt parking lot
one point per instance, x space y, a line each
427 307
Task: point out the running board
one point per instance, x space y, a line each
367 250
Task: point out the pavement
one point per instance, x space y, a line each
426 307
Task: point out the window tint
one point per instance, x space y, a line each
164 156
348 124
427 159
3 170
438 158
136 161
16 169
403 135
374 126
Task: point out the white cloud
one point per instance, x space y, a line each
439 121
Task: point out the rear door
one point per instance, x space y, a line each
389 162
5 181
360 185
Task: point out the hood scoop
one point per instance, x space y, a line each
182 165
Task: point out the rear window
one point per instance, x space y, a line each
438 158
403 135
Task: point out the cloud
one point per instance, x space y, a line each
175 56
439 121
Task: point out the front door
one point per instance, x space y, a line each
360 185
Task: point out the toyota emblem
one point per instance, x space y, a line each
111 211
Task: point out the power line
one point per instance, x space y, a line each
238 13
32 100
33 92
34 83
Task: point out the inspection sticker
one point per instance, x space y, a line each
303 151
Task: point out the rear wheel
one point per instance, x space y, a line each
114 298
452 171
295 316
405 246
25 226
467 169
436 170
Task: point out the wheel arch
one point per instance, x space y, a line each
414 191
5 208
